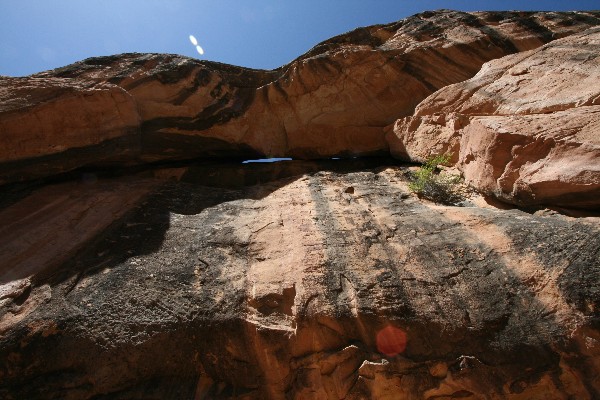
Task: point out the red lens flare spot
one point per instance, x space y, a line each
391 341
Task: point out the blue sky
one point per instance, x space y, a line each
36 35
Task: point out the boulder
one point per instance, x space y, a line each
524 129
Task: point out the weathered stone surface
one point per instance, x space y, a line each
281 290
332 101
524 129
49 125
137 279
44 229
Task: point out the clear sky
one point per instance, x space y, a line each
36 35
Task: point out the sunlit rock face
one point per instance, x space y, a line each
51 125
525 129
324 285
161 267
332 101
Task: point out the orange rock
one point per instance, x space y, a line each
62 124
292 289
524 129
334 100
215 280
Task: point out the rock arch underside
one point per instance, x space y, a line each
141 259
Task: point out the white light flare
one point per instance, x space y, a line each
194 41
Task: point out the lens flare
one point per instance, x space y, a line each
194 41
391 341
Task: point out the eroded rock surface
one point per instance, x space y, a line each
52 125
525 129
332 101
199 278
326 285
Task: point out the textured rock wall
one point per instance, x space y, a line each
332 101
524 129
51 125
134 278
327 285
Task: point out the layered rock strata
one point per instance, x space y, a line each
52 125
524 129
332 101
327 285
139 278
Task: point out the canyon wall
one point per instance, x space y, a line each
332 101
139 259
319 286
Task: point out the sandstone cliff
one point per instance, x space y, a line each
524 129
327 285
332 101
166 269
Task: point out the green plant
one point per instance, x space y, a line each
428 182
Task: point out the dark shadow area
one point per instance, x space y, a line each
203 185
228 175
203 168
53 166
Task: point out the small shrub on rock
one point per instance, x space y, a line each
430 183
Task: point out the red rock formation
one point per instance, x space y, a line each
51 125
524 129
299 288
332 101
222 281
